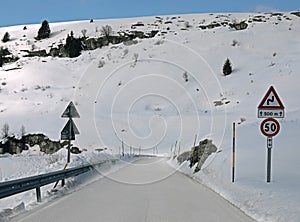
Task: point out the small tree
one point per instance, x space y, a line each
44 31
22 130
83 31
227 68
3 53
73 46
5 130
6 56
101 63
135 59
23 140
6 37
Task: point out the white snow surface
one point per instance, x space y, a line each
139 96
34 162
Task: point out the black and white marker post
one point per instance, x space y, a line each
233 153
70 129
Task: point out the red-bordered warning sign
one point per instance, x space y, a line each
271 105
271 100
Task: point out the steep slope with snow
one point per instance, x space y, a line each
124 87
156 91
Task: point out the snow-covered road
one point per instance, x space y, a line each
148 190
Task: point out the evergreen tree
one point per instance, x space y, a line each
6 56
4 52
6 37
227 68
44 31
73 45
1 57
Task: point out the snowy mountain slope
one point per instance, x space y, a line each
137 93
43 87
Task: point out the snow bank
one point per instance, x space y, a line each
33 162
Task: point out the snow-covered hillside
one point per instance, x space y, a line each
154 92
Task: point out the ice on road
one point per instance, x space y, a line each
146 190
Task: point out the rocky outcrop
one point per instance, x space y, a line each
201 152
296 13
13 145
95 43
46 145
74 46
239 26
75 150
184 157
198 154
210 26
39 53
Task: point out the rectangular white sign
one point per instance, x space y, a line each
270 113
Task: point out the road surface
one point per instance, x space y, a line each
148 190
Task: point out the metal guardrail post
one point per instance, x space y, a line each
38 194
63 182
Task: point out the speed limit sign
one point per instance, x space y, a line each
270 127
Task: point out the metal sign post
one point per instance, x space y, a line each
269 127
70 129
270 107
269 158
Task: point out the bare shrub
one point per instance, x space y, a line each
106 31
83 31
185 76
5 130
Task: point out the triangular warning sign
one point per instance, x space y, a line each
271 100
74 127
70 112
69 131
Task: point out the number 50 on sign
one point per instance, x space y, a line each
270 127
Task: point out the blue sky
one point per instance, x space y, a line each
16 12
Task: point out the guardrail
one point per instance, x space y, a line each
13 187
